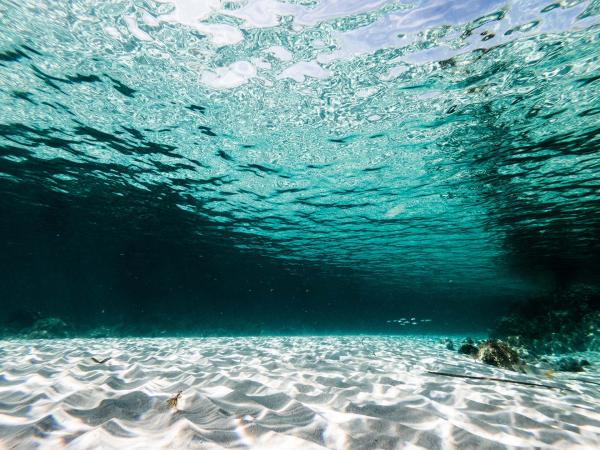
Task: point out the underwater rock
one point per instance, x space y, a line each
468 348
449 344
499 354
48 328
569 364
561 322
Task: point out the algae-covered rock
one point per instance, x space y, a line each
494 352
500 354
468 347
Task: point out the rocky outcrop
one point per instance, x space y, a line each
499 354
494 352
562 322
571 364
468 347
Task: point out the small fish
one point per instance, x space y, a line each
172 402
100 361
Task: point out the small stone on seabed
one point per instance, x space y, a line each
468 348
570 364
499 354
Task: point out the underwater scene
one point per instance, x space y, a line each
299 224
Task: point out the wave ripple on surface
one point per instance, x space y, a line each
418 140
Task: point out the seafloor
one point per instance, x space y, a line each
349 392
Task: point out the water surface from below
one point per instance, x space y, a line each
322 165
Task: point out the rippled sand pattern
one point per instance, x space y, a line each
280 393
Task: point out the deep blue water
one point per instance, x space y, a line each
299 166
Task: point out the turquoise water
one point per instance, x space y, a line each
296 165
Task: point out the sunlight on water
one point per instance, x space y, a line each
428 139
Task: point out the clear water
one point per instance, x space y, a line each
326 164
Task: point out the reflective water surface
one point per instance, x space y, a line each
429 144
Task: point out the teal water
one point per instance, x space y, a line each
296 165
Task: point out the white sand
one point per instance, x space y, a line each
281 393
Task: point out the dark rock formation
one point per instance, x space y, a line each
561 322
468 347
570 364
494 352
499 354
449 344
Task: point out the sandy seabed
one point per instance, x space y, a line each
348 392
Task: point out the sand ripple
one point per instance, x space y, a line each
281 393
